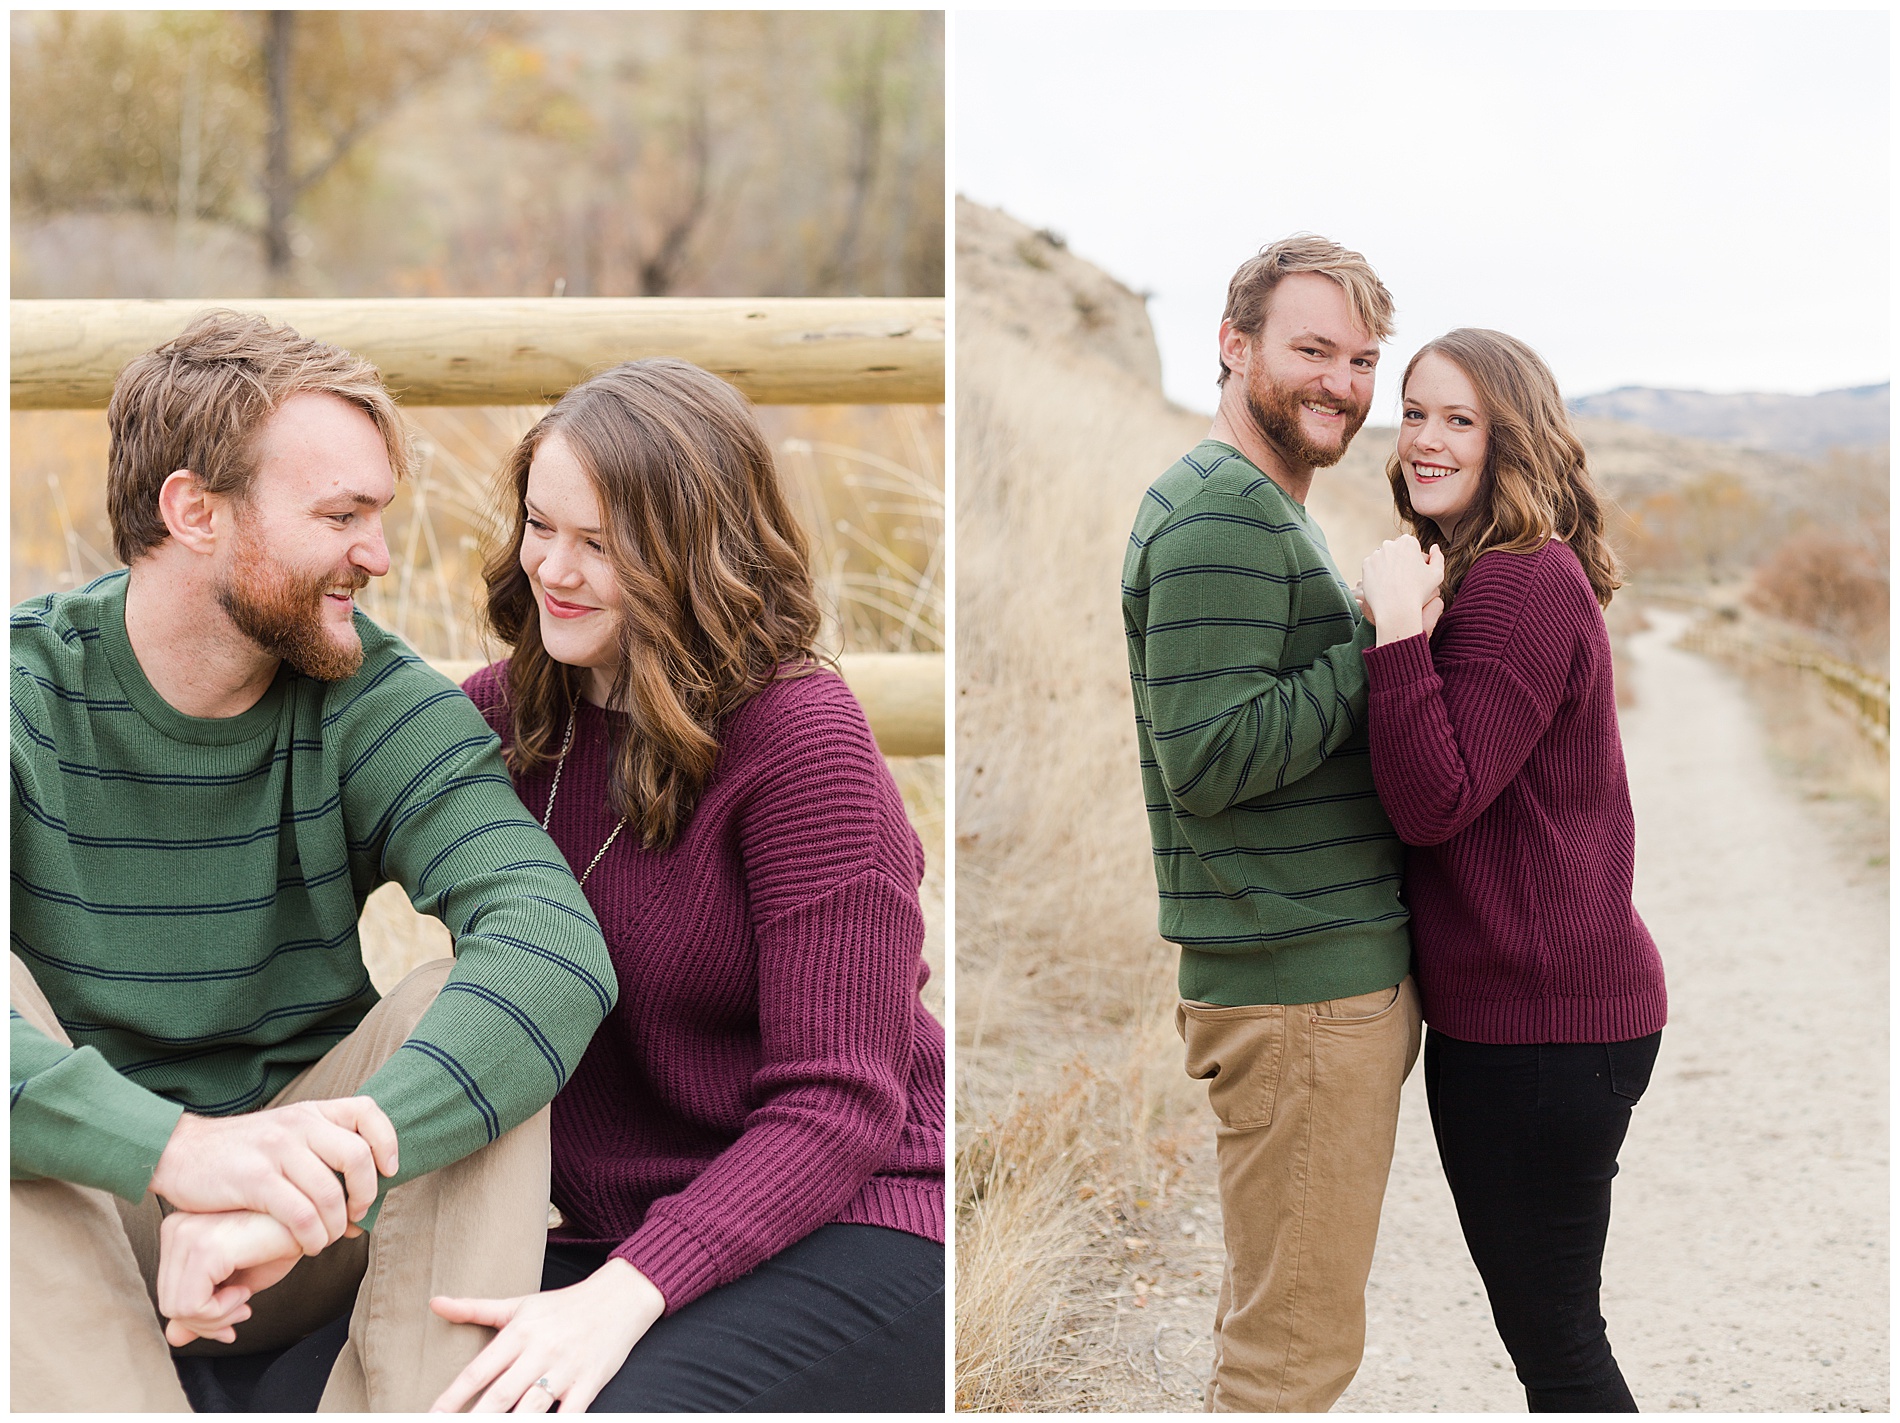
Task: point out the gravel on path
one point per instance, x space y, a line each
1747 1267
1747 1262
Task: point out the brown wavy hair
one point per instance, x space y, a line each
716 597
1536 485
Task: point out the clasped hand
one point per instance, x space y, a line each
1399 588
253 1194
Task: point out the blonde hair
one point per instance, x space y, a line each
1536 484
1251 291
199 402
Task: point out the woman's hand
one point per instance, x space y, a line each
576 1339
1396 583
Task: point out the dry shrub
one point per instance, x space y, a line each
1833 582
1707 528
1019 1216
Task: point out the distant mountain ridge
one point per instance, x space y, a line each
1795 424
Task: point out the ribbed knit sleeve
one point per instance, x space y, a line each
769 1068
839 937
1496 752
1439 757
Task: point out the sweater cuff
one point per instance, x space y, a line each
1397 663
670 1256
86 1123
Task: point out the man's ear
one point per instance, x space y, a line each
1236 348
189 511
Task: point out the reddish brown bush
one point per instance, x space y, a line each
1833 582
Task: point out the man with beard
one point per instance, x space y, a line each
1278 871
215 760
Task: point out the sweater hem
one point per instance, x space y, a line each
1311 973
915 1207
1547 1020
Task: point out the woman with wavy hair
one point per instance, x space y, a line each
1495 751
748 1161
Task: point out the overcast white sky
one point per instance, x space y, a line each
1690 199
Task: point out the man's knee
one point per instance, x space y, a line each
410 999
29 1001
384 1029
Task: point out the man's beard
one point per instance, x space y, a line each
1276 415
282 612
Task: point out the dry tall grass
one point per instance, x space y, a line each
1076 1126
866 481
1072 1105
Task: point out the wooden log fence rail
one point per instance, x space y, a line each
1864 697
506 351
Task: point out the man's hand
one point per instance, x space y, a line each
209 1266
284 1162
1430 613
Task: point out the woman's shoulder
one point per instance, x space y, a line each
1510 581
1507 593
488 689
811 697
803 770
805 719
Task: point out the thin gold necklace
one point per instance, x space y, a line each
567 745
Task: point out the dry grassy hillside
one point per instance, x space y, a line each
1069 1093
1082 1146
1061 427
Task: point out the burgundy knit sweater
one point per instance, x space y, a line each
769 1068
1496 753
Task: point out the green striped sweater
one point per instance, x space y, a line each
1278 870
186 891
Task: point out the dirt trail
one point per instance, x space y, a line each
1747 1267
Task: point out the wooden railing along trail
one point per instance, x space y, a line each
1862 695
504 351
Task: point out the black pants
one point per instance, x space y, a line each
848 1320
1528 1135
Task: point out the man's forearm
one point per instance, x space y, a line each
1227 735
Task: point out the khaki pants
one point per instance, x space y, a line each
1307 1098
86 1333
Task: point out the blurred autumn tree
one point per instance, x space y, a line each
1709 527
371 153
375 153
1810 551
